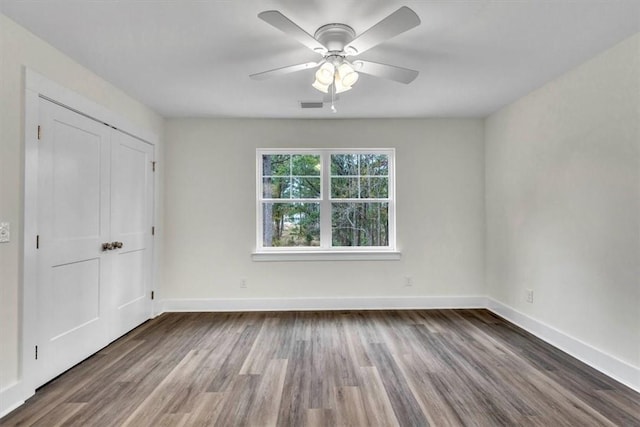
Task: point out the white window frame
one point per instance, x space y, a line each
326 251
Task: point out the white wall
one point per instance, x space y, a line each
20 48
563 203
210 209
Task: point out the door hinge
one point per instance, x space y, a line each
153 295
37 241
36 352
39 131
153 231
153 166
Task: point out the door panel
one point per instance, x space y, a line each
75 297
131 220
131 278
76 181
130 165
73 221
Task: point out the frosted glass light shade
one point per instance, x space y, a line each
347 75
340 87
325 73
322 88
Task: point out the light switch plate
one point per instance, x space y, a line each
5 233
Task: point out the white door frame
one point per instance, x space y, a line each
36 87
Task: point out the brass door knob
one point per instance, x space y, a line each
117 245
107 246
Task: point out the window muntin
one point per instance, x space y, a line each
360 200
291 187
360 224
291 224
359 176
291 176
326 200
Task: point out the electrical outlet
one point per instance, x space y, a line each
408 281
529 295
5 232
243 283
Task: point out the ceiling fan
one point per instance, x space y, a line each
336 43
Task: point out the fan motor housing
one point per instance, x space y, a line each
335 36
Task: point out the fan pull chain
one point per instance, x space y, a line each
333 95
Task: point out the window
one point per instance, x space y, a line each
325 200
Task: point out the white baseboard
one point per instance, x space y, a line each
11 397
325 304
619 370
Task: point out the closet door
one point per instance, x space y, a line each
131 221
95 211
73 223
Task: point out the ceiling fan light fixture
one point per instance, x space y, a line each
325 74
347 75
319 86
340 86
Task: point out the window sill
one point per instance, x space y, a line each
326 256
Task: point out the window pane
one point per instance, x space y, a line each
374 164
374 188
276 165
305 188
360 224
275 188
344 164
305 165
344 188
291 224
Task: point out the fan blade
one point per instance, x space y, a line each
288 27
398 22
284 70
390 72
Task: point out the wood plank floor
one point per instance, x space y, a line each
360 368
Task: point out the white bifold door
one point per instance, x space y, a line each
95 213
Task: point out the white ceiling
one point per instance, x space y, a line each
193 58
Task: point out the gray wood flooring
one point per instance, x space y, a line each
359 368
